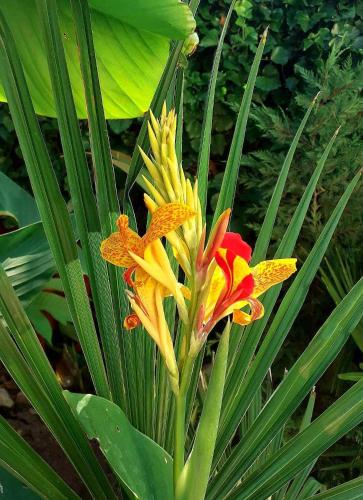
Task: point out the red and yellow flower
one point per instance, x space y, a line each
234 284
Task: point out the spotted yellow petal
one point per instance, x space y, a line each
270 272
165 219
115 249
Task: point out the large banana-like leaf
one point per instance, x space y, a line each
142 466
132 46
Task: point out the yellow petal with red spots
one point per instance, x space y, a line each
165 219
115 249
270 272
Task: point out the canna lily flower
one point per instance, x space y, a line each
124 247
235 284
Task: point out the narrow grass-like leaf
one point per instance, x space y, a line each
322 350
67 432
252 334
205 140
20 459
264 235
228 188
342 416
298 482
83 199
351 490
52 208
280 326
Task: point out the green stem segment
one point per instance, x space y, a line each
180 408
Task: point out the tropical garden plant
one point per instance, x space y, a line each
157 303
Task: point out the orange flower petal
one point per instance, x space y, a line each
131 321
115 249
270 272
165 219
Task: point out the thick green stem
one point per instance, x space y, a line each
179 430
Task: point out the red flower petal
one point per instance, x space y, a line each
235 243
244 289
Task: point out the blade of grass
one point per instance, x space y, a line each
228 188
204 148
52 208
17 457
83 199
193 481
342 416
280 326
298 482
107 200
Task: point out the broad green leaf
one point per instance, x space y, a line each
132 45
53 304
193 481
17 201
27 260
167 18
20 465
12 487
140 464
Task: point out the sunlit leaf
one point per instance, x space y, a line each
132 47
